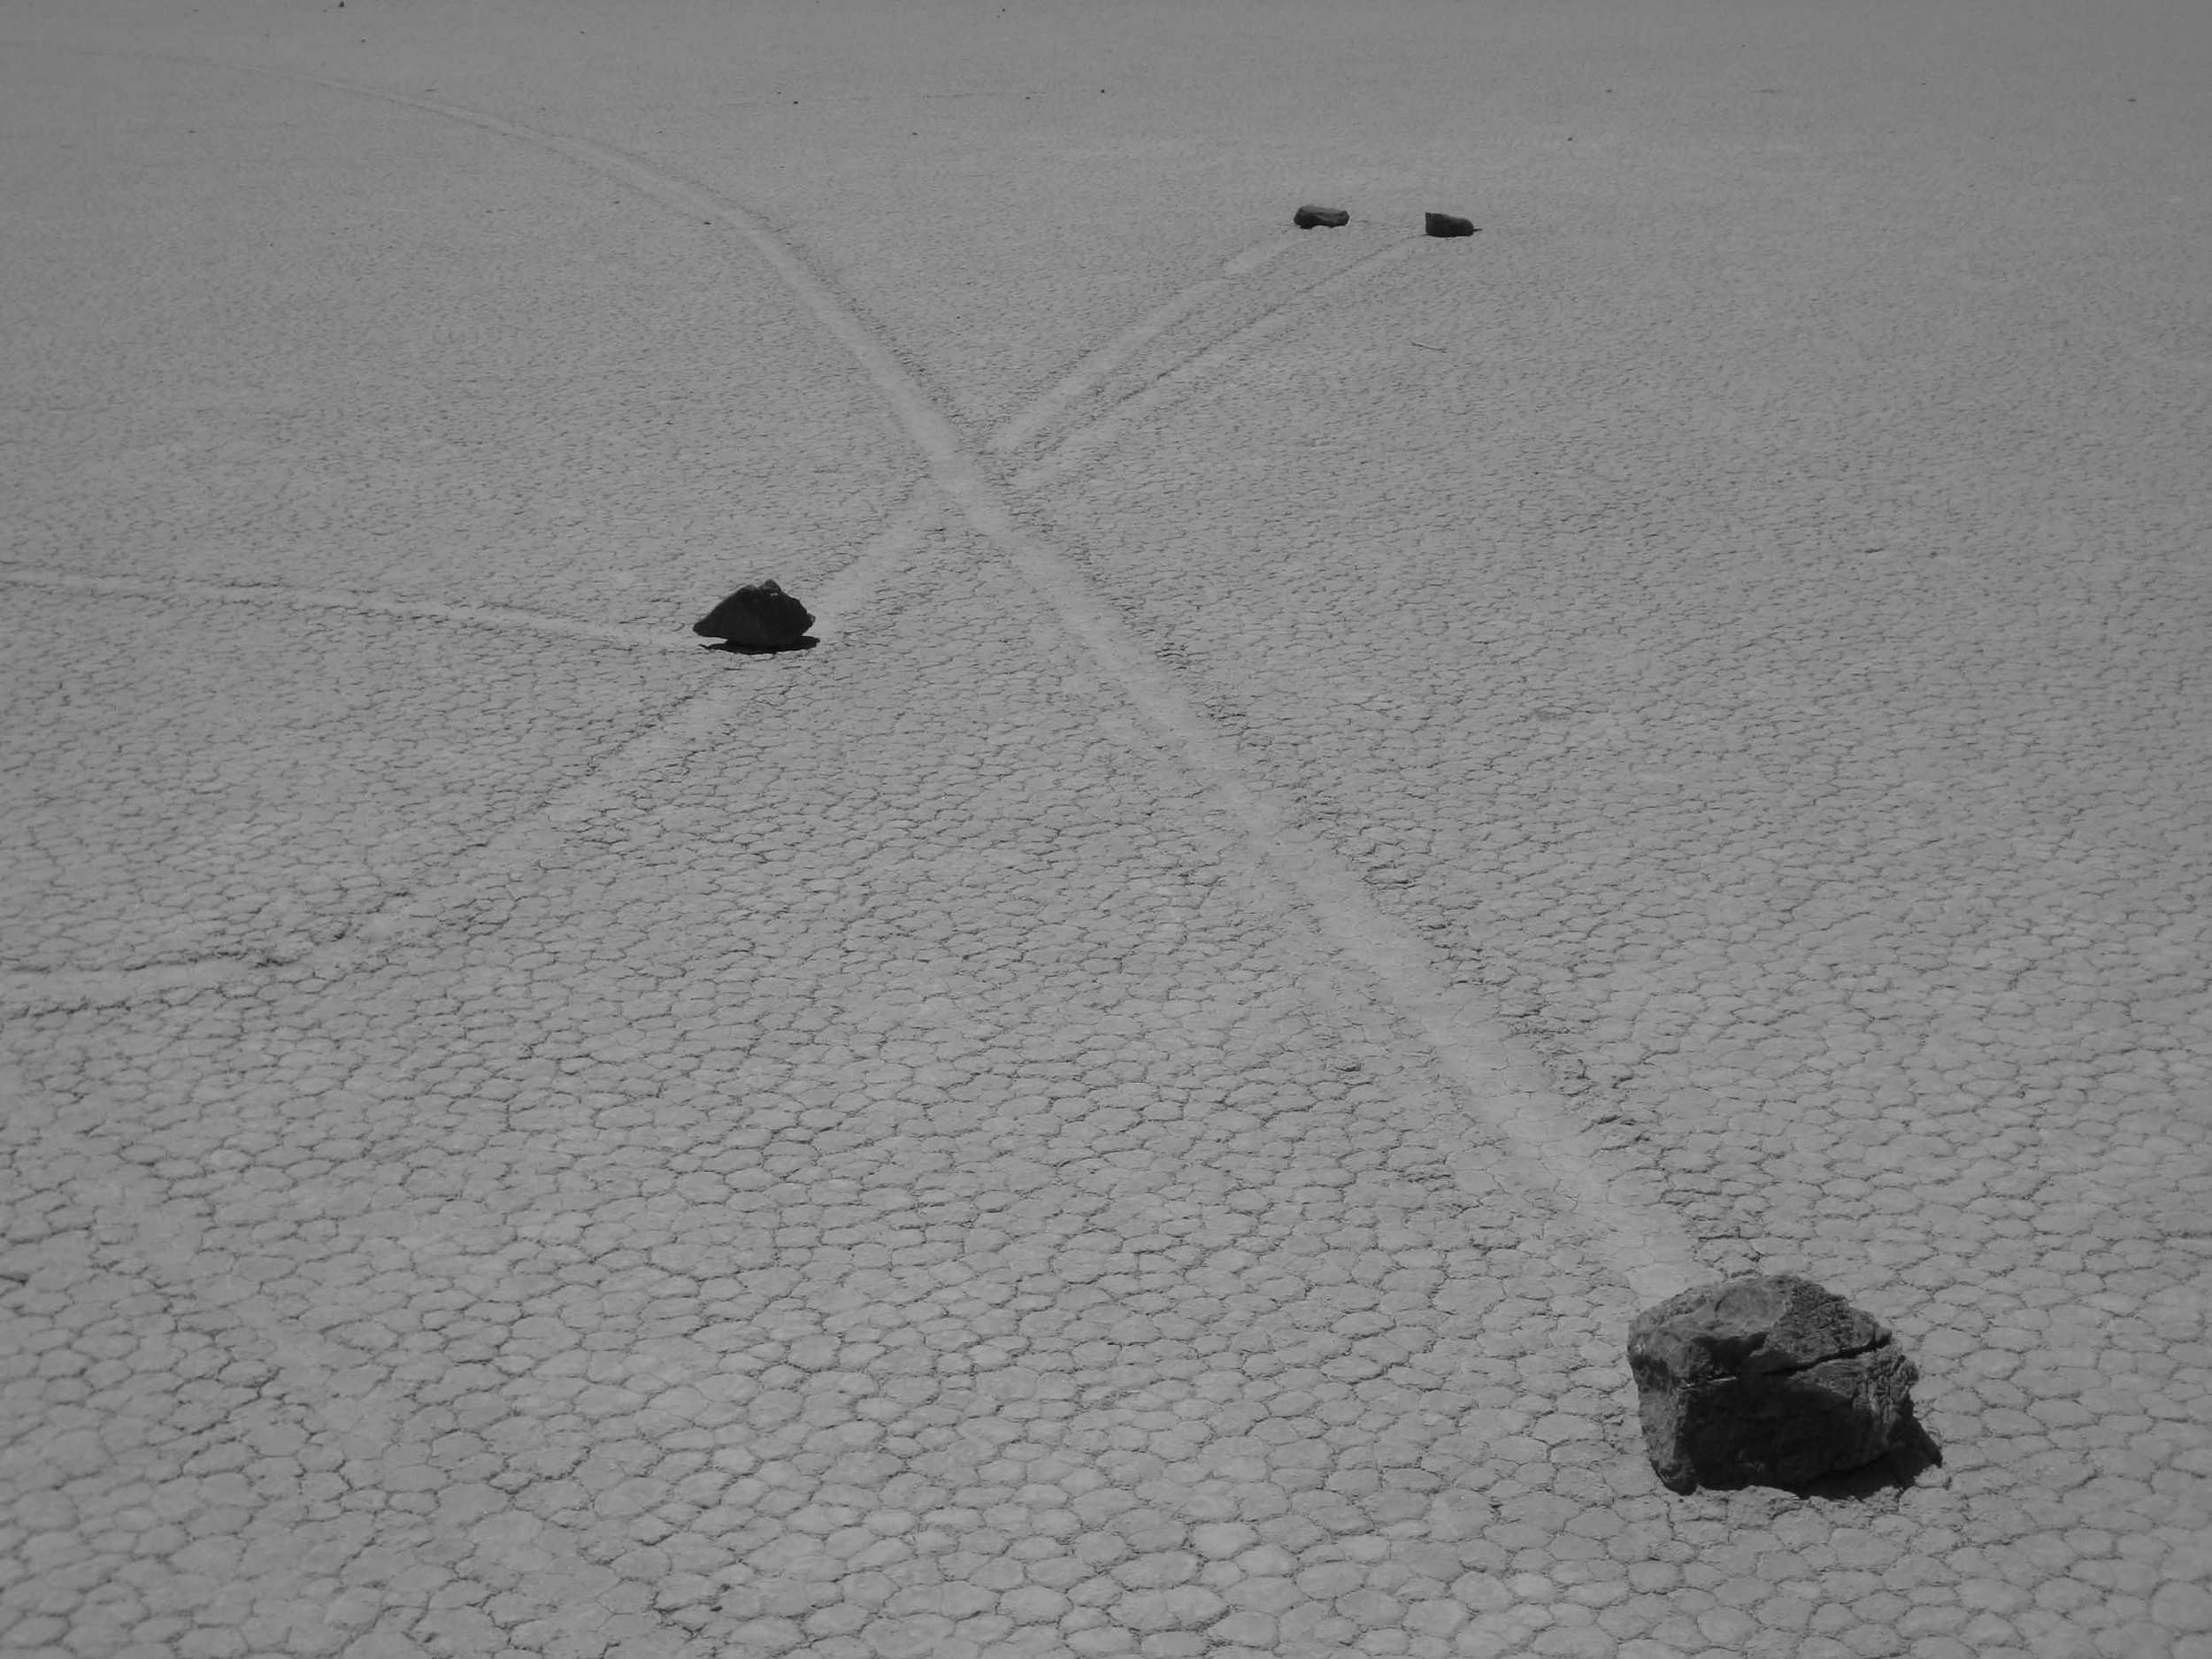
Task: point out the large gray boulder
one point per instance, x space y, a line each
1768 1380
759 617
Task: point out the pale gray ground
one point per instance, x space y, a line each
1121 1105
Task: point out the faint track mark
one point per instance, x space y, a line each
519 849
500 617
331 1384
661 750
1079 448
66 989
1087 374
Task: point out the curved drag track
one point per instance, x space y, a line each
1645 1247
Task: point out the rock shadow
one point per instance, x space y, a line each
805 643
1912 1452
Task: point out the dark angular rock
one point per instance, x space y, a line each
1449 224
1307 217
761 618
1770 1381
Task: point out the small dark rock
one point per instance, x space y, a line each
1449 224
1769 1381
761 618
1307 217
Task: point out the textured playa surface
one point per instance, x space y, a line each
1366 807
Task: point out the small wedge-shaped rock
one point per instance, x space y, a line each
761 618
1307 217
1767 1380
1449 224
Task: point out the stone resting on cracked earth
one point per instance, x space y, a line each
1769 1381
761 616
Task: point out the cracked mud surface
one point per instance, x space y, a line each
1124 1103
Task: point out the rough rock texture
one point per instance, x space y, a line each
1766 1380
762 618
1449 224
1307 217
